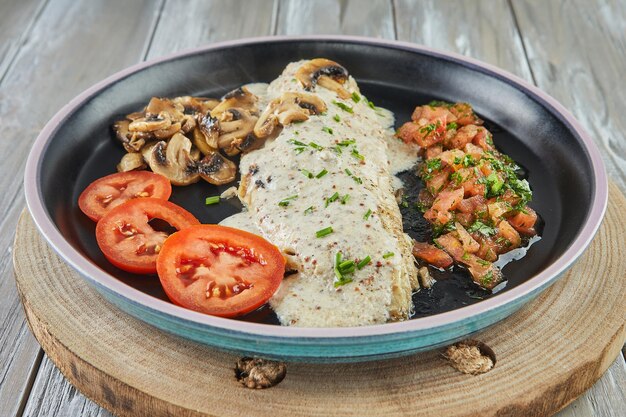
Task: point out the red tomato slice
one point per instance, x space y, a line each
108 192
129 242
219 270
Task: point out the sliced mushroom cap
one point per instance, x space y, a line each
324 72
216 169
289 108
132 141
192 105
165 107
210 127
130 162
150 124
174 160
199 141
240 98
235 123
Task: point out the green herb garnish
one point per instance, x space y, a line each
212 200
336 118
285 201
324 232
345 198
451 125
309 210
355 97
367 214
363 263
482 228
306 173
343 106
388 255
316 146
346 142
327 130
357 155
321 173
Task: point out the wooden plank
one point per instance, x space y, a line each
483 29
16 20
55 397
72 45
209 21
302 17
577 52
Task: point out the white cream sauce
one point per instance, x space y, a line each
381 290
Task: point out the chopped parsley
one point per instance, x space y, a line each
482 228
451 125
456 177
343 106
212 200
439 229
439 103
468 161
430 127
493 185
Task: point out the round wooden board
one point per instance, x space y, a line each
548 353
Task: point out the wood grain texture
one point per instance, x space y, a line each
16 21
557 345
482 29
347 17
577 52
62 55
213 20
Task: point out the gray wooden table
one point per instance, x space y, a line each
50 50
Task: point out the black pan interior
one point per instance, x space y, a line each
557 165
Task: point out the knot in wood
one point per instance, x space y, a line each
259 373
470 357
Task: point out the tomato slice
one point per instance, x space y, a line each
108 192
129 242
219 270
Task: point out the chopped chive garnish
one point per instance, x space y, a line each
371 105
357 155
388 255
299 150
309 210
306 173
345 264
336 118
346 142
343 106
368 213
324 232
345 198
316 146
334 197
336 149
355 97
357 179
364 262
212 200
321 173
296 142
285 201
348 172
327 130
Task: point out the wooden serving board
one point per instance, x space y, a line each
547 354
